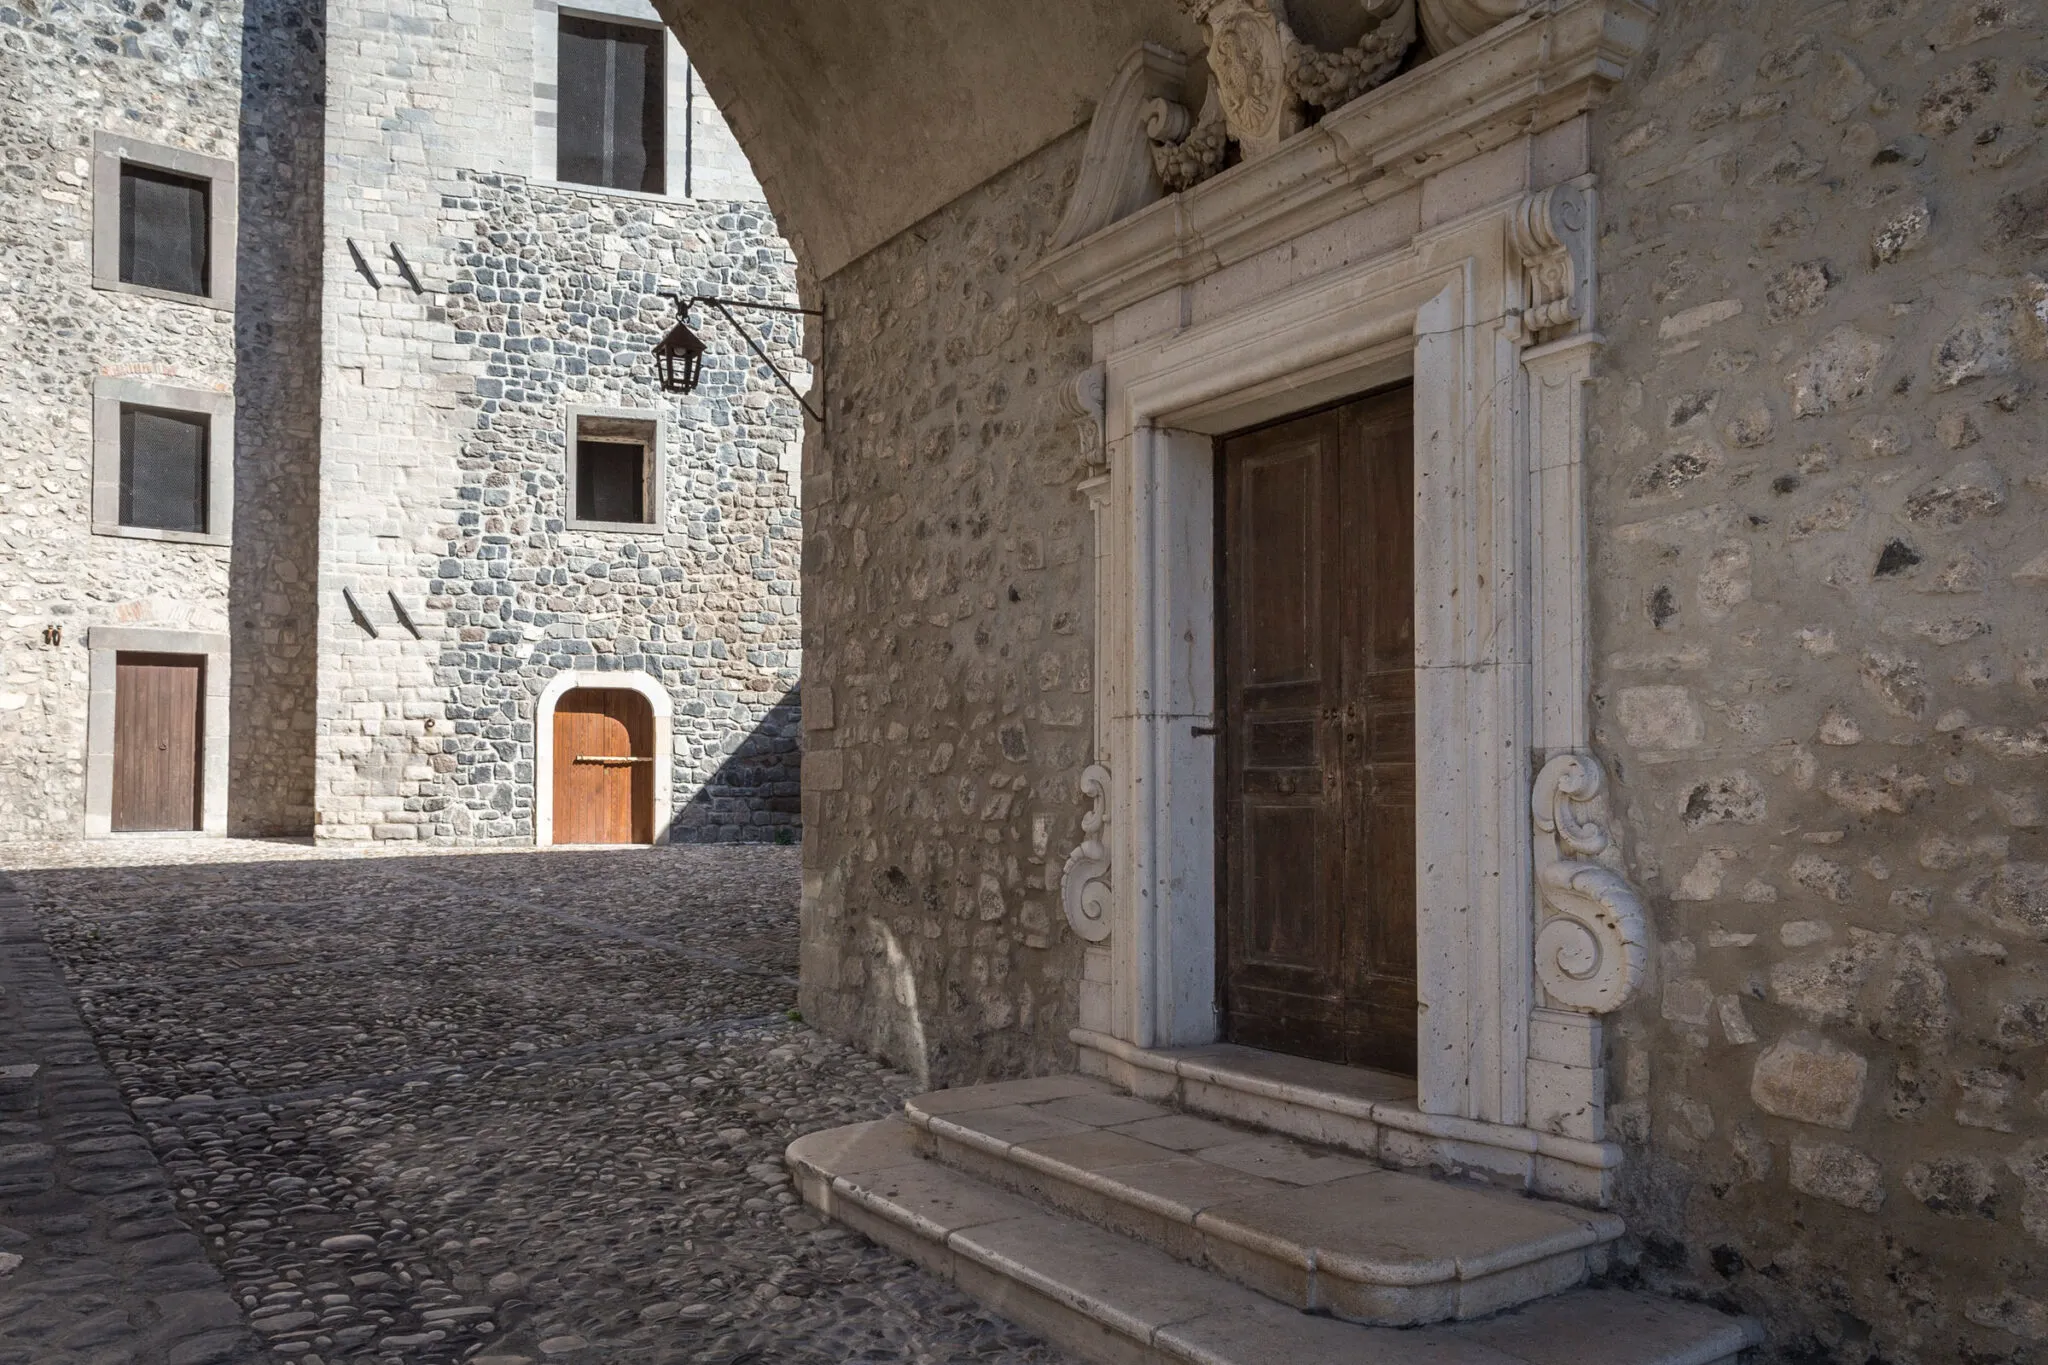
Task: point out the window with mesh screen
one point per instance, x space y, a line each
164 229
611 481
163 469
611 82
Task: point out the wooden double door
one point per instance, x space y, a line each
158 724
1317 765
604 767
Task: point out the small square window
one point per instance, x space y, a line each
163 461
615 470
163 222
164 229
612 104
163 469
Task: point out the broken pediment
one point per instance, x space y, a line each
1241 180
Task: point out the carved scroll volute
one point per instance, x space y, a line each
1117 175
1592 947
1083 398
1553 234
1248 58
1453 23
1084 885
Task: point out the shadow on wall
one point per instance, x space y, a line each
755 795
271 601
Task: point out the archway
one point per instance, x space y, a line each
603 750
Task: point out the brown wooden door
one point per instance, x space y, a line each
1317 910
157 732
604 767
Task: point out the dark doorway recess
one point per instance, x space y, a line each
1317 764
157 734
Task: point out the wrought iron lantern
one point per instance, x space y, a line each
679 356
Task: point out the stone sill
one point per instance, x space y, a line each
1293 1094
1529 74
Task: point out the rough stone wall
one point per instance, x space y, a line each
950 634
1818 578
272 606
168 75
708 601
444 456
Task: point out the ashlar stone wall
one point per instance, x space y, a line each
1820 569
949 642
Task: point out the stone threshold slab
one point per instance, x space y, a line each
1117 1302
1315 1230
1370 1113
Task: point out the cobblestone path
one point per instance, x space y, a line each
495 1108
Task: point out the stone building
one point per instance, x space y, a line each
340 493
1459 580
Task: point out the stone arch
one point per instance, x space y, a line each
578 679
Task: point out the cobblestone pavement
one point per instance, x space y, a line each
490 1107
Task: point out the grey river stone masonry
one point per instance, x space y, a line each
486 1107
96 1266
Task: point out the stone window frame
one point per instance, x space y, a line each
628 680
223 215
657 481
109 395
104 646
547 16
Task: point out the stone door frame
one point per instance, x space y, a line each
1501 681
570 680
104 646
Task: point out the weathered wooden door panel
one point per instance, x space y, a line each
604 767
157 734
1318 745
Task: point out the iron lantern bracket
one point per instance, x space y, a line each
683 345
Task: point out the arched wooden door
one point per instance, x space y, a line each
604 767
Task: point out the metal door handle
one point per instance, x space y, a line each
607 759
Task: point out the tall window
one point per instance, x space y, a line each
164 229
164 469
163 221
609 125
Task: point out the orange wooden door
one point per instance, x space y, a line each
604 767
156 741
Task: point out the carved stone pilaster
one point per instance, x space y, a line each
1592 945
1084 885
1553 233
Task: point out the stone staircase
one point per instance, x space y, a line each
1128 1231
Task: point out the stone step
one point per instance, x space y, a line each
1114 1301
1314 1229
1368 1113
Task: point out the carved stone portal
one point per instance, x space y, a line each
1084 886
1593 948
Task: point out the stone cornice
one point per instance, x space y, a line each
1537 70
